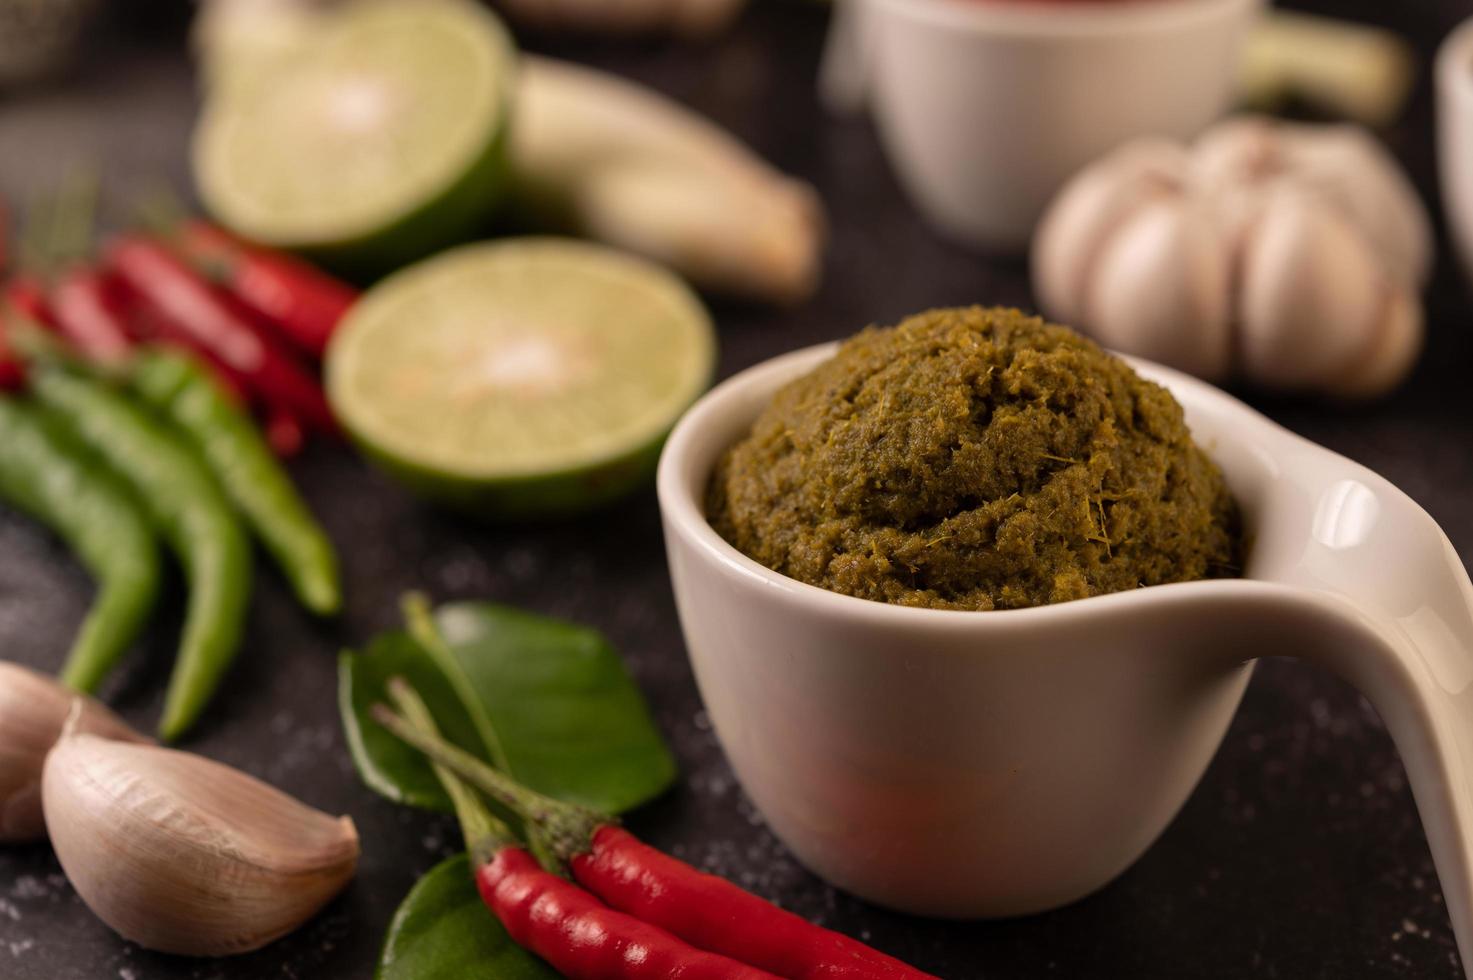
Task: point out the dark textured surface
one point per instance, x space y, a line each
1300 855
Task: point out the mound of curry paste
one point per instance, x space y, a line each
975 459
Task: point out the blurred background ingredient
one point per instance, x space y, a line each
41 38
521 377
603 157
1292 254
379 135
187 508
376 138
48 474
128 421
1360 73
985 109
270 24
682 18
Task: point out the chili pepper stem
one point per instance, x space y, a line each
563 830
420 621
484 833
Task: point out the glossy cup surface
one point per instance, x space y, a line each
945 763
971 764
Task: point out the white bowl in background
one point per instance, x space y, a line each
986 107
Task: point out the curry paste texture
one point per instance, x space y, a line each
975 459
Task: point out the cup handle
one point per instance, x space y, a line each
1378 594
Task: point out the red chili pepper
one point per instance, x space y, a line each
712 913
651 887
12 368
25 294
584 939
297 298
161 280
283 433
148 325
87 310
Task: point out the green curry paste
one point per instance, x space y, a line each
975 459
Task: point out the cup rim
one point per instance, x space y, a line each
1089 20
685 516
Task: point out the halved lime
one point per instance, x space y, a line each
376 141
527 376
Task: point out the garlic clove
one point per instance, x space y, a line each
1348 166
1394 352
1161 289
184 855
1239 151
1342 164
1311 294
1089 209
33 709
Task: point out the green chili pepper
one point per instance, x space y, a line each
184 392
47 473
190 512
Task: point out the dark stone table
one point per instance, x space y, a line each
1300 855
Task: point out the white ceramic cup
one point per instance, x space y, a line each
968 764
1455 137
986 107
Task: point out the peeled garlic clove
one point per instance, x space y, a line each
184 855
1089 209
33 708
1394 352
1312 294
1160 289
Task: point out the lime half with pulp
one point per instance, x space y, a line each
523 377
378 139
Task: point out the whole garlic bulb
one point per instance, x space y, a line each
184 855
33 709
1291 254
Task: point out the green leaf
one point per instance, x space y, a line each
571 721
549 701
442 931
386 764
